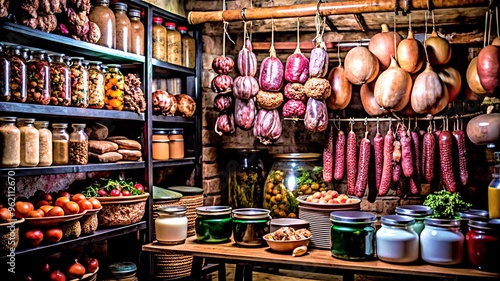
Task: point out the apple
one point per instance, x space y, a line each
34 237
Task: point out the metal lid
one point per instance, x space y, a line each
251 213
122 267
187 190
175 131
41 124
8 119
60 125
352 217
114 66
93 62
474 214
493 224
161 141
134 13
414 210
297 156
26 120
213 210
397 220
160 131
77 58
174 210
281 222
442 222
120 6
100 2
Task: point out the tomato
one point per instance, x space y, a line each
57 276
115 192
34 237
41 203
30 206
5 215
96 204
77 197
63 194
53 235
92 265
46 208
38 213
55 212
39 194
71 208
61 201
76 270
45 268
48 198
21 209
126 193
102 192
139 186
85 205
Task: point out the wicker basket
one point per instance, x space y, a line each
87 277
190 202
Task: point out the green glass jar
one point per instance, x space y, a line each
418 212
352 235
249 226
213 224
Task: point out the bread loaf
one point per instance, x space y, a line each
101 146
128 144
130 155
113 138
97 131
108 157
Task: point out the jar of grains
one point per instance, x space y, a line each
174 46
137 32
60 81
79 83
96 85
60 141
159 40
123 27
4 74
29 142
114 86
45 143
78 145
38 78
17 79
188 48
102 15
10 139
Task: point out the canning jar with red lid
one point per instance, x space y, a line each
159 40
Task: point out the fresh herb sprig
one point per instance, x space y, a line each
445 204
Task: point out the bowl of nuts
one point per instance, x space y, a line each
287 239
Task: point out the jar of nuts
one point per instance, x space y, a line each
38 78
4 74
60 79
78 145
79 83
96 85
60 142
17 79
30 146
114 86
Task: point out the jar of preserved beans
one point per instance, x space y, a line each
249 226
483 244
159 39
78 145
123 27
417 212
352 235
396 240
38 78
60 81
4 75
137 32
441 242
10 139
176 144
188 48
160 148
96 85
174 45
30 142
45 143
18 72
494 197
104 17
60 144
213 224
79 83
114 86
171 225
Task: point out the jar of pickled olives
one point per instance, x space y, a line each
114 87
79 83
18 73
4 74
60 81
38 78
96 85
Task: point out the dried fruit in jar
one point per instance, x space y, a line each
114 87
60 81
96 86
38 79
79 83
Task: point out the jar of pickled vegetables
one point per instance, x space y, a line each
292 175
30 146
352 235
60 79
79 83
213 224
45 143
10 141
249 226
114 87
60 144
174 45
4 74
159 40
96 85
38 78
18 73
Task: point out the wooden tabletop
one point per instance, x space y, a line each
231 253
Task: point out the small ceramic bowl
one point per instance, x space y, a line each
121 270
285 245
290 222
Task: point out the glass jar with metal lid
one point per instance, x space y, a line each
114 85
96 85
471 215
396 241
79 83
418 212
10 141
176 144
213 224
104 17
160 144
4 74
174 45
171 225
352 235
60 143
18 75
123 27
38 69
159 39
60 81
483 244
45 143
441 242
78 145
188 48
249 226
494 197
137 32
30 146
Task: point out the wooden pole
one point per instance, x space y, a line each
328 8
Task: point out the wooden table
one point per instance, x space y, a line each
316 260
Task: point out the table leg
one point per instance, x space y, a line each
238 273
196 268
221 272
247 275
348 276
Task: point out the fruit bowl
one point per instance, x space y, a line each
87 277
6 234
123 210
285 245
51 221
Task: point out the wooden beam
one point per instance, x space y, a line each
361 22
306 46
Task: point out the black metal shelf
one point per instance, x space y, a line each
174 162
36 171
173 119
73 112
169 16
98 235
161 67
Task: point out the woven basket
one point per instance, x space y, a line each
190 202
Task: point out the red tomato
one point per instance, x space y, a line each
139 186
102 193
126 193
115 192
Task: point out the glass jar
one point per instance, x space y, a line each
417 212
60 81
471 214
213 224
102 15
29 142
171 225
4 74
68 61
123 27
26 55
160 144
96 85
137 32
494 197
159 40
176 144
396 240
79 83
78 145
60 144
174 45
38 78
292 175
45 143
174 86
104 68
86 64
352 235
245 177
18 72
114 86
10 139
441 242
483 244
188 48
249 226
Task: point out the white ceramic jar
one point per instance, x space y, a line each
441 242
418 212
396 240
171 225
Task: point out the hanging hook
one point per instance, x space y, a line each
378 125
244 14
407 7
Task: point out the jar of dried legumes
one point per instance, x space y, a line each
137 32
30 139
60 143
78 145
188 48
114 87
38 78
45 143
159 43
4 75
17 79
10 139
123 27
79 83
96 85
60 79
174 47
105 20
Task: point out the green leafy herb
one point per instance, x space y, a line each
445 204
